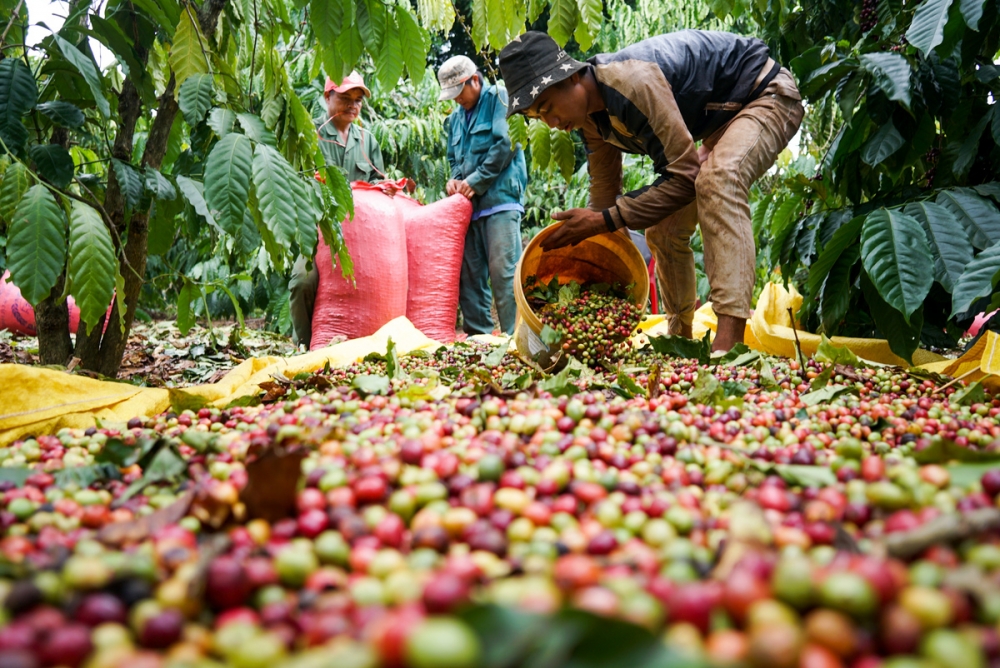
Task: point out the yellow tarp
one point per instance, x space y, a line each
42 401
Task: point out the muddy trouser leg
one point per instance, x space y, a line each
670 243
503 243
741 153
301 299
473 286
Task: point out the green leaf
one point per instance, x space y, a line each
370 384
625 382
116 452
479 23
62 113
185 317
227 181
92 263
562 383
327 17
680 346
829 353
836 296
978 215
85 66
540 138
389 64
965 475
563 16
494 358
896 257
739 355
158 186
186 55
16 181
272 178
563 153
18 94
193 192
978 280
707 389
591 14
926 29
798 475
53 163
350 46
549 336
336 181
163 225
256 130
36 244
903 336
415 42
882 144
130 182
971 394
222 121
824 395
196 97
892 73
496 23
85 476
782 224
517 128
949 242
165 13
969 149
371 22
15 474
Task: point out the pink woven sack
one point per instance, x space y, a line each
376 239
17 315
435 241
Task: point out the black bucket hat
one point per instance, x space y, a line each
530 64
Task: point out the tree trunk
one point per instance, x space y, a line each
88 344
105 353
52 322
52 314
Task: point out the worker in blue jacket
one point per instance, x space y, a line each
492 174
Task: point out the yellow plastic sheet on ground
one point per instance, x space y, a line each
42 401
770 331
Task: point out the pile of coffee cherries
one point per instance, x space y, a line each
761 529
593 322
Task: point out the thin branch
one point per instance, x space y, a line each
201 44
253 56
10 24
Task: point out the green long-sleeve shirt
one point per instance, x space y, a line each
360 156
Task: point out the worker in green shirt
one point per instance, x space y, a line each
352 148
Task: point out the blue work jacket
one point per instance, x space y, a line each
479 152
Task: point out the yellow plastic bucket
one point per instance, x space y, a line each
604 258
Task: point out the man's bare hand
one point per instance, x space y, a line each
390 188
460 187
578 224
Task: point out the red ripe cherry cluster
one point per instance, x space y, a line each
765 530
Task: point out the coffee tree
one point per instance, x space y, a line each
201 124
901 220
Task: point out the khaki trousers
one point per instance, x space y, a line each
741 151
